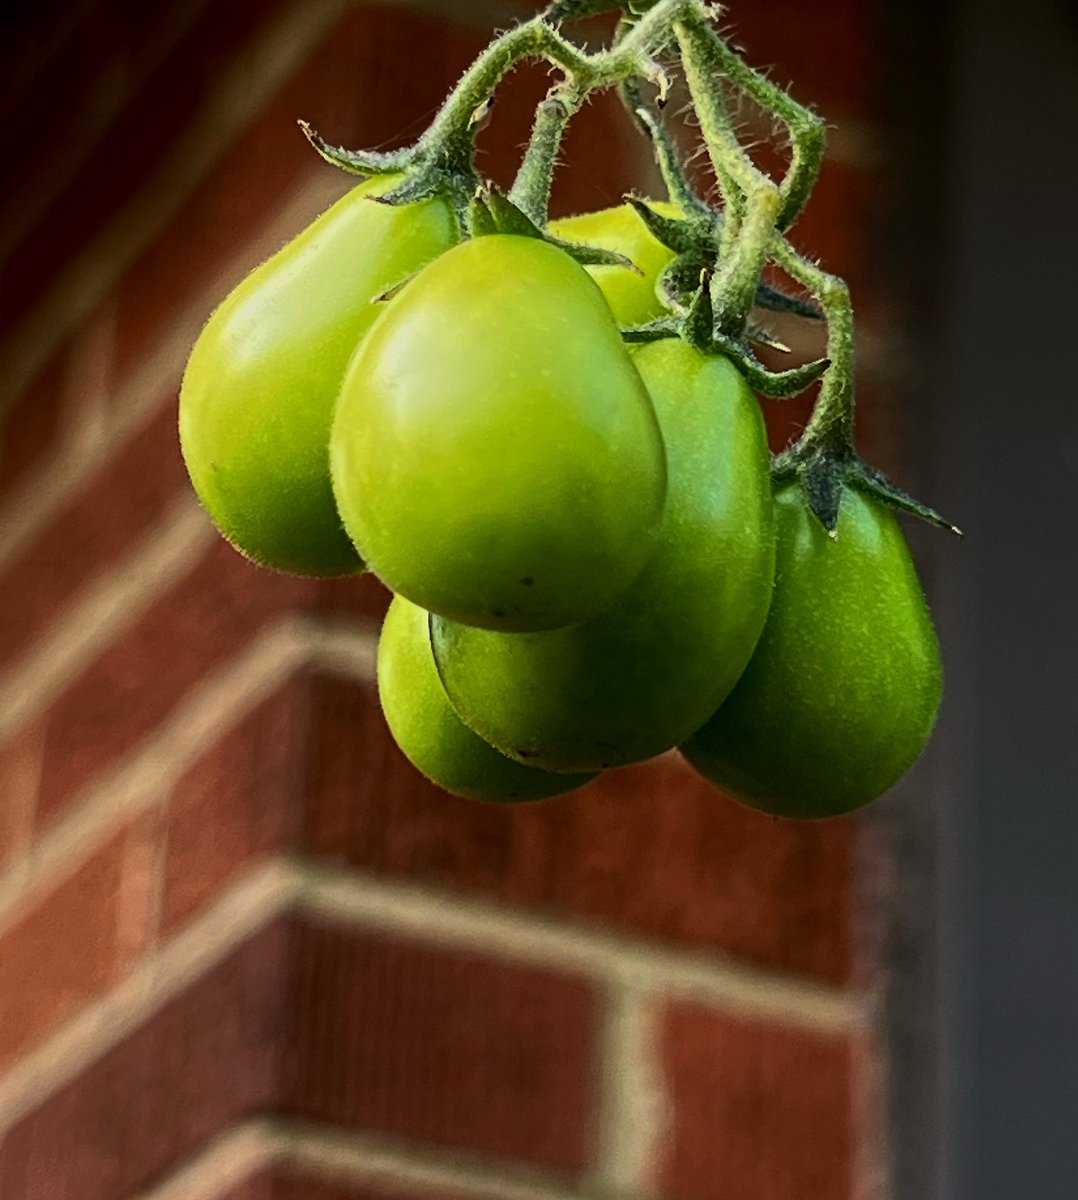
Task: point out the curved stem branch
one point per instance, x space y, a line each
749 227
831 424
450 132
531 187
678 187
807 130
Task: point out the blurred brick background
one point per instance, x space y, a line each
245 950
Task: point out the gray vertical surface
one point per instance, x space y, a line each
1006 447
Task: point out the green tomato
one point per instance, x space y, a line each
495 454
842 692
257 398
632 297
431 734
637 679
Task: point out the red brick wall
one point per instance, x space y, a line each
245 950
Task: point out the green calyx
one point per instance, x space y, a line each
491 211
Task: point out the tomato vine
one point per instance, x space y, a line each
723 248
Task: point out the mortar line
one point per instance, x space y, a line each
239 914
227 1160
332 1155
634 1109
650 970
218 702
100 611
359 902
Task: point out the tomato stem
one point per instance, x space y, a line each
806 129
531 188
754 201
831 424
678 188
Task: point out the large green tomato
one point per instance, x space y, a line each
634 681
841 695
495 454
431 734
258 394
632 297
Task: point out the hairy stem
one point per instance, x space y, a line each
831 424
714 58
531 187
450 133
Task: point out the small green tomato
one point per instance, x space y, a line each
495 454
259 390
430 733
841 694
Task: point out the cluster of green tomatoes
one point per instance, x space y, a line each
589 561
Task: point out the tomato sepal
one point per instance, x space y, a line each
356 162
683 235
824 475
494 212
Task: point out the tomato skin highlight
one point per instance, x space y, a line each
637 679
631 296
495 455
260 386
429 732
842 692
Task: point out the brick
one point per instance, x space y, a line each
194 627
237 805
41 118
445 1047
20 770
77 941
30 33
651 849
368 806
828 63
124 500
758 1111
657 850
350 91
331 1025
206 1060
135 146
31 428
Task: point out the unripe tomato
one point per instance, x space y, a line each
431 734
495 454
841 694
258 394
637 679
632 297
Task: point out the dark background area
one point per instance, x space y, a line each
1004 436
988 235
